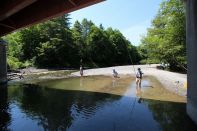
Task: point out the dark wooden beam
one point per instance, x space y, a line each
42 10
7 26
72 2
11 7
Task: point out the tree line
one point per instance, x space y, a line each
55 44
165 41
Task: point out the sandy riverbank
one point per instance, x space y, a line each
174 82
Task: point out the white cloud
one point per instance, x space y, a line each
134 33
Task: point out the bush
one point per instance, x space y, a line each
14 63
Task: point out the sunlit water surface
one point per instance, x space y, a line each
96 103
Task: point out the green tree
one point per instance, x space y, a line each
57 48
14 51
78 39
165 40
99 47
123 51
54 44
30 38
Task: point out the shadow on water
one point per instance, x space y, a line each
34 107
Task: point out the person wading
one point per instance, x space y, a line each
139 78
115 74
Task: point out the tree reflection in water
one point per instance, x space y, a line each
55 109
171 116
4 108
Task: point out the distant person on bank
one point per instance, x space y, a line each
81 70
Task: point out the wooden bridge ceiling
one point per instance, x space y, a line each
15 14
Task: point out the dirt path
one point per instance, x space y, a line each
175 82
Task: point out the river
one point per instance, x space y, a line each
95 103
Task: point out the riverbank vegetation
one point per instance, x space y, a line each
165 41
54 44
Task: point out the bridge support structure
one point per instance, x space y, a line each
3 62
191 13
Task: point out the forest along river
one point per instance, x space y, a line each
91 104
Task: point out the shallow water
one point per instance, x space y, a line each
90 104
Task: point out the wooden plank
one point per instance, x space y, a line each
72 2
11 7
42 10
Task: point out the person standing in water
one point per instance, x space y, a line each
139 78
81 70
115 74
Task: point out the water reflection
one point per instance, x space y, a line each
33 107
138 91
4 108
81 82
171 116
55 109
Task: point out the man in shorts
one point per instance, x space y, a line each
139 78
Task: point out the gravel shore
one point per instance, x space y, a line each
175 82
172 81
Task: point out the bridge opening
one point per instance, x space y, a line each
21 13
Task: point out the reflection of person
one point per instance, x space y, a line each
139 94
140 100
139 78
138 91
81 70
115 73
114 83
81 82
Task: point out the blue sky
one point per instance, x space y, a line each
131 17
